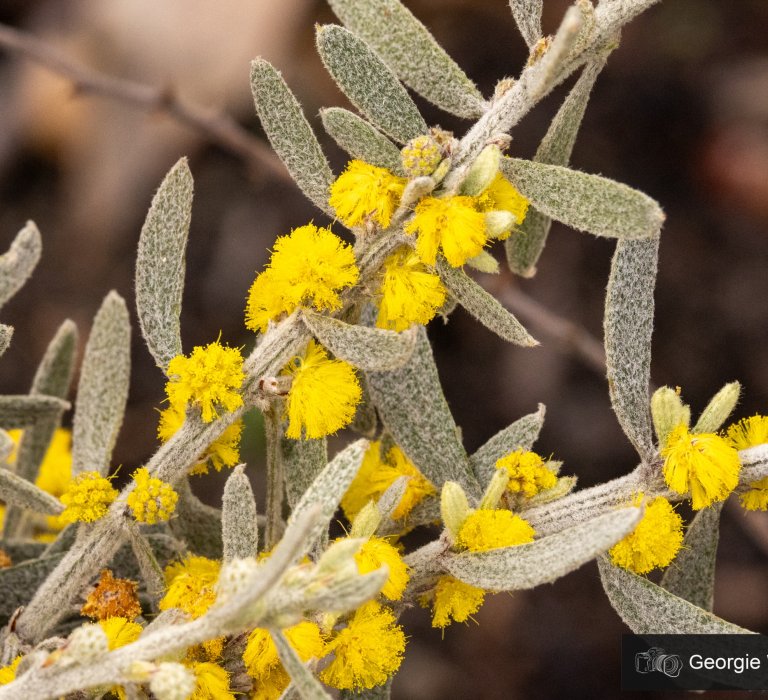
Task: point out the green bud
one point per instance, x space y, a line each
416 189
499 223
484 262
718 409
564 485
482 171
454 507
495 490
340 556
442 171
668 411
420 156
366 521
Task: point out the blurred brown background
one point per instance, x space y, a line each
681 112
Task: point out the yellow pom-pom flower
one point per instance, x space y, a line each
377 552
453 601
120 631
703 464
367 652
409 292
152 500
211 682
224 451
191 585
487 529
452 224
528 473
309 267
262 661
366 192
502 194
210 378
376 475
654 543
8 673
748 432
87 498
323 396
756 497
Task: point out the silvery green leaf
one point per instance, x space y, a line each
525 246
329 486
365 421
308 687
20 551
390 499
411 51
648 609
519 435
22 411
484 307
345 593
361 346
102 392
718 409
545 560
197 524
691 575
17 264
628 325
6 445
527 14
585 202
160 264
290 134
239 533
369 83
6 333
360 139
149 567
484 262
53 378
18 583
303 460
23 493
412 407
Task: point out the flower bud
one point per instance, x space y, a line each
172 681
718 409
668 411
498 223
495 489
366 521
482 171
421 156
454 507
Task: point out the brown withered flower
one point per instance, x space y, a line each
112 597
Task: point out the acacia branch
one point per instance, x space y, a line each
213 125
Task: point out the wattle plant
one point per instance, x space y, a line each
146 592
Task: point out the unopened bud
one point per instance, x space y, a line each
718 409
172 681
482 172
667 411
454 507
366 521
421 156
495 490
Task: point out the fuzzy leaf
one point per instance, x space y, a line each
628 328
19 583
103 388
520 434
484 307
360 139
411 51
412 407
545 560
365 421
308 687
346 593
160 264
525 246
20 552
363 347
648 609
692 574
527 14
369 84
53 378
197 524
290 134
585 202
23 411
239 533
23 493
329 486
6 445
6 333
17 264
302 460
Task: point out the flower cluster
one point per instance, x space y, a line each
87 498
152 500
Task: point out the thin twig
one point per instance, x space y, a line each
570 336
215 126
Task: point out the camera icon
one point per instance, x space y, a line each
656 659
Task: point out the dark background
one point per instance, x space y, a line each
681 112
